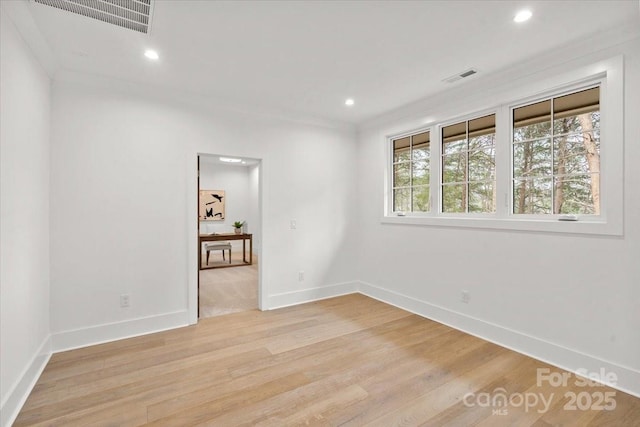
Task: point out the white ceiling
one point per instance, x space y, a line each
307 57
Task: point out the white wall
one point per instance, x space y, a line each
235 180
253 219
123 180
571 299
24 207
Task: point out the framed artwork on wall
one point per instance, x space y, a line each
211 205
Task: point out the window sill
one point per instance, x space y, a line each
591 226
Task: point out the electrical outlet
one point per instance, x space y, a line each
465 297
125 301
293 224
301 276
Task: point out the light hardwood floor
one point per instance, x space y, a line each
228 290
343 361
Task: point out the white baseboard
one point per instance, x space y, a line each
311 294
628 379
18 395
69 340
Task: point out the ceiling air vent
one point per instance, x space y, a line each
131 14
462 75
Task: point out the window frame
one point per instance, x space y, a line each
466 118
411 161
608 75
568 90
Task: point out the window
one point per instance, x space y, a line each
468 166
528 159
556 155
411 173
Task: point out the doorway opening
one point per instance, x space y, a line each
229 234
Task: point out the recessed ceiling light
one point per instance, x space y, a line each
349 102
230 160
522 16
151 54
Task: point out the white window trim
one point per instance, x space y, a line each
436 206
610 74
410 161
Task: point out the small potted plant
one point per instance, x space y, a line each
238 226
